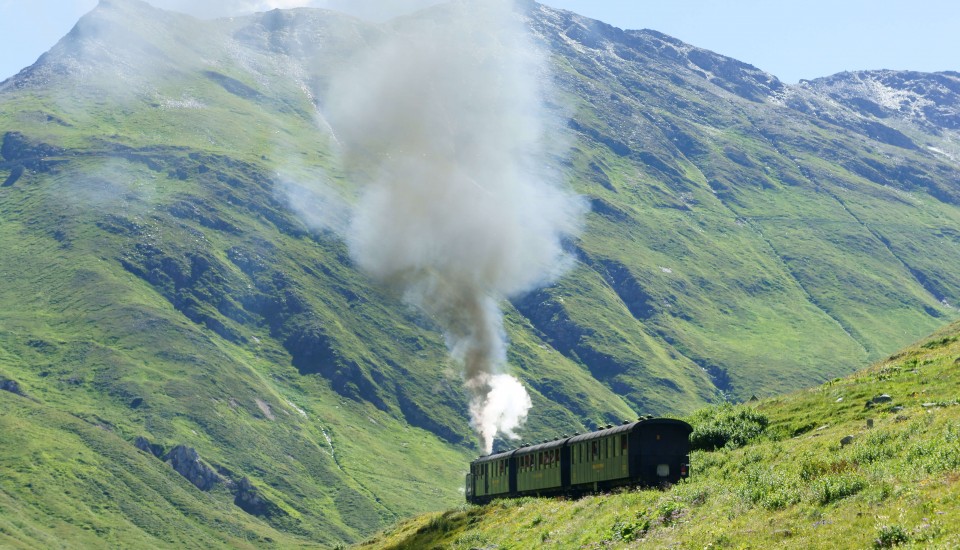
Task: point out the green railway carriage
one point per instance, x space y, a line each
651 451
645 452
491 477
539 468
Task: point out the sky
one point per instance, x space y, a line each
792 39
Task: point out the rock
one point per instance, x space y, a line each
846 441
901 418
839 400
882 399
187 463
11 386
252 501
869 422
15 174
898 408
144 445
929 405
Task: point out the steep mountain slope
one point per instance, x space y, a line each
746 237
755 226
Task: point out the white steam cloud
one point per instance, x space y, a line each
443 124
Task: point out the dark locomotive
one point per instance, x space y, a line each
650 452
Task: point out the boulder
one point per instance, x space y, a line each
846 441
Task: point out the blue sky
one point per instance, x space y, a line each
791 39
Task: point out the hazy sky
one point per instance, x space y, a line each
792 39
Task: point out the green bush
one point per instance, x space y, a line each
769 488
835 487
725 426
625 530
890 536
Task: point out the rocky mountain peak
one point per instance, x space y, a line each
930 101
564 29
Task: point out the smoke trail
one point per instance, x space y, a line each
443 123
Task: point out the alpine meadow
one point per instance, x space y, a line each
273 281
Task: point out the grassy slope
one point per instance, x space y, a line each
793 487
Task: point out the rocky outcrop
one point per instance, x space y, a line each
187 463
252 501
11 386
144 445
929 101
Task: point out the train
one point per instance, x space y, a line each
648 452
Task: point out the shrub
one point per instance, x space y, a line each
878 446
629 530
890 536
769 488
669 511
725 426
835 487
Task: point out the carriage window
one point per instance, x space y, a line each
623 444
594 451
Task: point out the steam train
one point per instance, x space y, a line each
651 451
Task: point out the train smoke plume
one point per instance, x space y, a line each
443 122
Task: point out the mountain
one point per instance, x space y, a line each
865 461
166 309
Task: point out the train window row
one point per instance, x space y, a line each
599 449
586 451
494 469
536 461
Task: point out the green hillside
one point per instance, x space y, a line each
163 297
793 485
